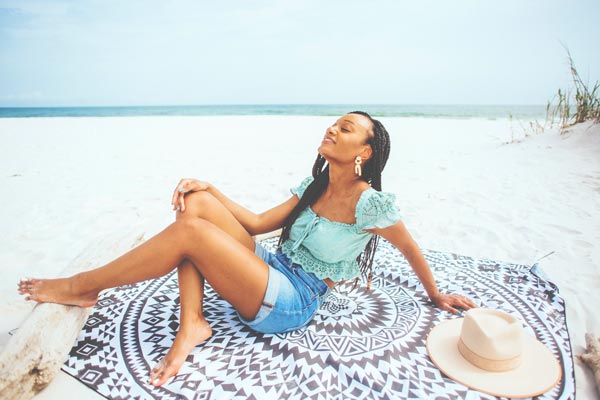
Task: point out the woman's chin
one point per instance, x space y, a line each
323 151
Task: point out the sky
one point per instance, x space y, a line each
115 52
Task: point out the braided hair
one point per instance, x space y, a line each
371 173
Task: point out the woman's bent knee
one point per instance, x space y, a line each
200 201
197 204
193 231
192 227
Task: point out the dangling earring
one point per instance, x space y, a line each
357 168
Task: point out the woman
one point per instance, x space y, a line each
330 230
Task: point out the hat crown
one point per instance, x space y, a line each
491 339
492 335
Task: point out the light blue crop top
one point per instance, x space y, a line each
329 249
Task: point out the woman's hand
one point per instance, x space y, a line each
448 302
185 186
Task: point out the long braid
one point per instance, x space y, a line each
310 196
380 145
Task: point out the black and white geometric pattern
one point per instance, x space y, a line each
360 345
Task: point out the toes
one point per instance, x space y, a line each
24 289
158 378
154 379
168 372
160 365
28 288
161 373
156 372
26 285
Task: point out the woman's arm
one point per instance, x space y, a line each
399 236
254 223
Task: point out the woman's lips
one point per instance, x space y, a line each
327 140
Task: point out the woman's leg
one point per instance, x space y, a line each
222 256
153 258
227 262
194 329
230 267
191 282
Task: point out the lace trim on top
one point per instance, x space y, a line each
335 271
377 210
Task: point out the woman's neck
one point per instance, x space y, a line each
342 180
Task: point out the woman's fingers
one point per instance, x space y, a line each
176 193
184 187
465 303
450 301
468 303
181 189
174 197
174 200
450 309
444 302
181 202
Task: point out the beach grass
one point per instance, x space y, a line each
586 105
567 108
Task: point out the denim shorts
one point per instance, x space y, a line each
292 298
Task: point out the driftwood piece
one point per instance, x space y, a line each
36 352
591 357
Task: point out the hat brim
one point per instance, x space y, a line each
539 370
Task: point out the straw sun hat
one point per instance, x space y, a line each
489 351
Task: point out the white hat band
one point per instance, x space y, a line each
486 363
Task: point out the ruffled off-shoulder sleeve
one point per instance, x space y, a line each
299 190
377 210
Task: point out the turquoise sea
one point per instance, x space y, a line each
376 110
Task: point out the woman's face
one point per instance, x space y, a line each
346 139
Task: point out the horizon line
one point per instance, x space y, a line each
277 104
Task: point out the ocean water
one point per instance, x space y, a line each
376 110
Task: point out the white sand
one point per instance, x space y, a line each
66 182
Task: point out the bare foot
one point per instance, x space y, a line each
184 343
59 291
